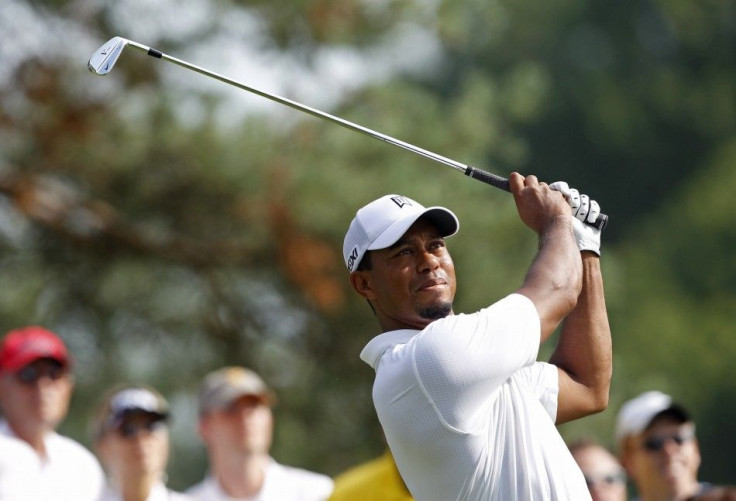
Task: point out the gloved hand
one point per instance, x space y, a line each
584 210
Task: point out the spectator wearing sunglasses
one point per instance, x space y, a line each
604 475
36 386
236 424
132 441
658 448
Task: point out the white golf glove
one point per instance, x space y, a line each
584 210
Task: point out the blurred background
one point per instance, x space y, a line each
166 224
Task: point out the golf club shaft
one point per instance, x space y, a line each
475 173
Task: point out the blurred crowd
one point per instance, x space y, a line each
657 456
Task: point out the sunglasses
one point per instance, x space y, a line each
606 479
657 443
30 374
133 428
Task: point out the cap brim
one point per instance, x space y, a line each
29 358
674 411
226 397
115 420
443 219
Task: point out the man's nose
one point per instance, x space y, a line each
427 261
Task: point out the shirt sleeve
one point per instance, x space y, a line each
462 360
543 380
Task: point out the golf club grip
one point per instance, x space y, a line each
488 178
503 183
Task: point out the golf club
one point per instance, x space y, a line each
104 58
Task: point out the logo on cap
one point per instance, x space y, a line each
353 257
401 201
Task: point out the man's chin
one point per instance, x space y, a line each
436 311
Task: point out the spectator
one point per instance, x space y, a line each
236 425
604 475
375 480
36 385
19 470
658 448
132 440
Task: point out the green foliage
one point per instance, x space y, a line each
161 244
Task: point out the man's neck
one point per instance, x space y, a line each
33 435
137 488
685 491
242 476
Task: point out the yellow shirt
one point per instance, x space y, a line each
375 480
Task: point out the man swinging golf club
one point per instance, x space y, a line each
468 412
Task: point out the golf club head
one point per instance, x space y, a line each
105 57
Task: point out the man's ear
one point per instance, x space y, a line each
361 282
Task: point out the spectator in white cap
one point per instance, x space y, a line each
132 440
658 448
36 386
236 424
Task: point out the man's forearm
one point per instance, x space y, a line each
584 348
554 279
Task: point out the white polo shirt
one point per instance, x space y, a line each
468 412
280 483
20 471
69 472
159 492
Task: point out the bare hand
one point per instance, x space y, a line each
537 204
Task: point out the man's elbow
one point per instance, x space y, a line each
568 296
600 402
599 396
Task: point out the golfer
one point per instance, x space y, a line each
468 412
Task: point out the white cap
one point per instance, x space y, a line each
381 223
638 413
126 400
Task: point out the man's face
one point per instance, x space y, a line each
604 476
412 282
36 396
245 426
665 458
139 445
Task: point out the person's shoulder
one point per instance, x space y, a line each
197 489
369 469
370 480
514 301
70 448
11 447
709 492
179 496
513 305
295 472
302 478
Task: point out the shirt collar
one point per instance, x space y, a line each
5 429
377 346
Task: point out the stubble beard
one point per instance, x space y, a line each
436 311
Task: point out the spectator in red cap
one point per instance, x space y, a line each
35 388
19 470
